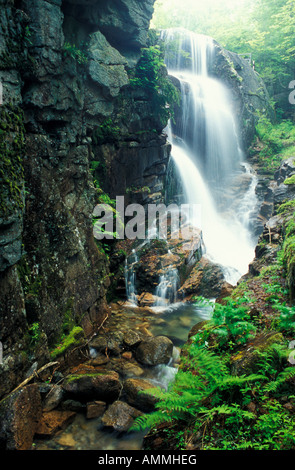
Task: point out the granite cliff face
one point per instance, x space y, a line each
55 103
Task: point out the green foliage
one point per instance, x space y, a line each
107 132
230 324
34 333
278 141
286 207
264 28
290 180
11 159
151 75
30 280
74 339
286 320
108 206
71 50
213 404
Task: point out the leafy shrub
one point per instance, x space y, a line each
71 50
230 324
278 140
151 75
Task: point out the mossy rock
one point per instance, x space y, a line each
73 340
103 385
290 180
244 361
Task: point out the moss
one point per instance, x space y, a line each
75 338
286 207
11 159
107 132
30 281
290 180
74 377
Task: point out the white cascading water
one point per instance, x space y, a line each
130 278
206 152
166 291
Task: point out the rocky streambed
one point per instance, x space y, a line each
91 405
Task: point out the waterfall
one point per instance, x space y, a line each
166 291
130 277
207 153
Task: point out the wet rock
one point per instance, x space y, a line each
131 369
120 416
99 360
196 328
146 300
225 292
95 409
53 398
53 421
19 416
103 386
154 351
67 440
107 66
134 388
132 338
286 170
127 355
206 279
73 405
178 253
108 344
284 191
99 343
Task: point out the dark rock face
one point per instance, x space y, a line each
248 91
54 98
19 416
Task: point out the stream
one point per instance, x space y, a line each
211 168
175 321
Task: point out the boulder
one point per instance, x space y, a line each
146 300
131 338
19 416
134 388
110 344
53 421
244 361
53 398
225 292
124 22
154 351
120 416
103 386
95 409
130 369
206 279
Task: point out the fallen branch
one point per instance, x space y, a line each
35 373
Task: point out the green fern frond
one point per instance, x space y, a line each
281 379
149 421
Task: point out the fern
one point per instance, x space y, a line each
281 379
142 423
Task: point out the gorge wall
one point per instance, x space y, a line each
69 118
53 275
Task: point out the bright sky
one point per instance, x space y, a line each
197 13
